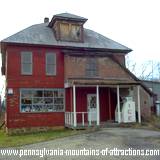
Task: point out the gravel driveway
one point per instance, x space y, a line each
97 142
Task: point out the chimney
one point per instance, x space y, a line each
46 20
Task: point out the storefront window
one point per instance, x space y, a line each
42 100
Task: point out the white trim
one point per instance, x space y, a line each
54 64
74 107
98 118
22 63
118 105
109 85
139 104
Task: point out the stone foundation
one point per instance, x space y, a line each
12 131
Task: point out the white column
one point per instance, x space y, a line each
139 104
74 107
98 119
118 105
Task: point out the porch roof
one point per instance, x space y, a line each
101 81
106 82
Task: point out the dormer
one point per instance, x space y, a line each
68 27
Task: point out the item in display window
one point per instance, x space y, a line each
48 100
50 108
58 107
61 94
55 93
58 100
48 93
26 108
38 93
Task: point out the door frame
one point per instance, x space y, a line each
88 109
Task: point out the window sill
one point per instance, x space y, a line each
51 75
41 112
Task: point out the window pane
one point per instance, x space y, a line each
50 69
26 57
91 67
26 93
38 93
26 108
50 108
50 63
26 63
59 107
38 100
48 93
37 108
50 58
26 101
26 68
48 100
58 100
55 93
60 94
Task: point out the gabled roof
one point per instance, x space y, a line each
41 34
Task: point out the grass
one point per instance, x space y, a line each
23 139
153 123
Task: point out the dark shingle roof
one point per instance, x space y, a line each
68 15
41 34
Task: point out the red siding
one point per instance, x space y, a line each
38 79
68 100
81 102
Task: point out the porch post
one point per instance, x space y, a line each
98 119
74 107
139 104
118 105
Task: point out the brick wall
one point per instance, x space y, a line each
120 58
107 68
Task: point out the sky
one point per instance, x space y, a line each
134 23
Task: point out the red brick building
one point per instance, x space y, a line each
58 72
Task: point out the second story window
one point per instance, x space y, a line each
26 63
91 67
50 64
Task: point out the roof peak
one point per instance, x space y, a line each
69 15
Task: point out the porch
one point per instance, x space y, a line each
107 101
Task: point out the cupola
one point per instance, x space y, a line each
68 27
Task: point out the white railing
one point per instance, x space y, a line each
83 118
69 118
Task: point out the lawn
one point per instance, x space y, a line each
18 140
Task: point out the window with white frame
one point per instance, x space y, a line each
50 64
42 100
26 63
